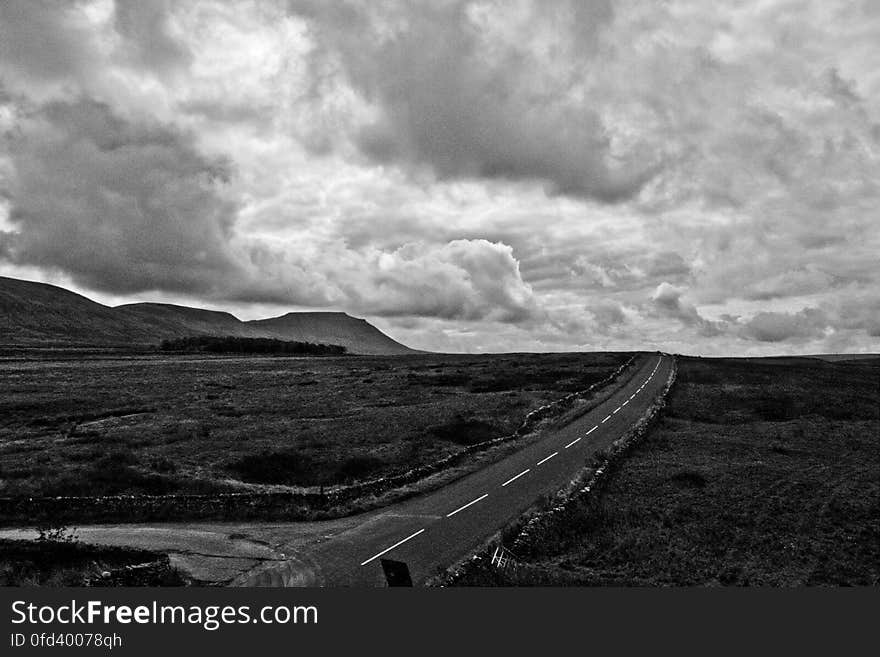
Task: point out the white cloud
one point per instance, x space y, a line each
485 174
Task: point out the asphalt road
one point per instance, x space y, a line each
428 532
439 528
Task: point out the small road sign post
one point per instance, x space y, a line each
396 573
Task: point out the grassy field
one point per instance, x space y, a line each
162 424
763 472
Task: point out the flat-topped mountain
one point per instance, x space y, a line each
35 314
356 335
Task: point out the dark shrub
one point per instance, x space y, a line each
290 468
452 380
463 431
689 478
236 345
778 409
115 459
163 465
358 467
497 384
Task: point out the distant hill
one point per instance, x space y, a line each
840 357
38 314
182 321
32 313
356 335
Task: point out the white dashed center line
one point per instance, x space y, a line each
512 479
392 547
462 508
524 472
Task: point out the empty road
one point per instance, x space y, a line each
428 532
439 528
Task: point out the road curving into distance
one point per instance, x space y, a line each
437 529
428 532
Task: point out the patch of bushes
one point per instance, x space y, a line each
113 474
452 379
163 465
496 384
778 409
689 479
236 345
466 431
358 467
275 468
294 468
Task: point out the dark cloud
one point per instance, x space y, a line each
126 206
667 264
809 323
860 311
54 41
46 40
468 108
790 283
146 28
119 205
607 315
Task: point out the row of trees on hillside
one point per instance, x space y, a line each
237 345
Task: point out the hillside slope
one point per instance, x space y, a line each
171 321
38 314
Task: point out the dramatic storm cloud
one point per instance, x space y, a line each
778 327
470 98
470 174
120 206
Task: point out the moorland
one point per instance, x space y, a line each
98 424
760 472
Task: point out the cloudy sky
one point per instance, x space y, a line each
468 175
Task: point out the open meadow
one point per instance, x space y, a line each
110 424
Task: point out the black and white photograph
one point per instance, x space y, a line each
442 294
